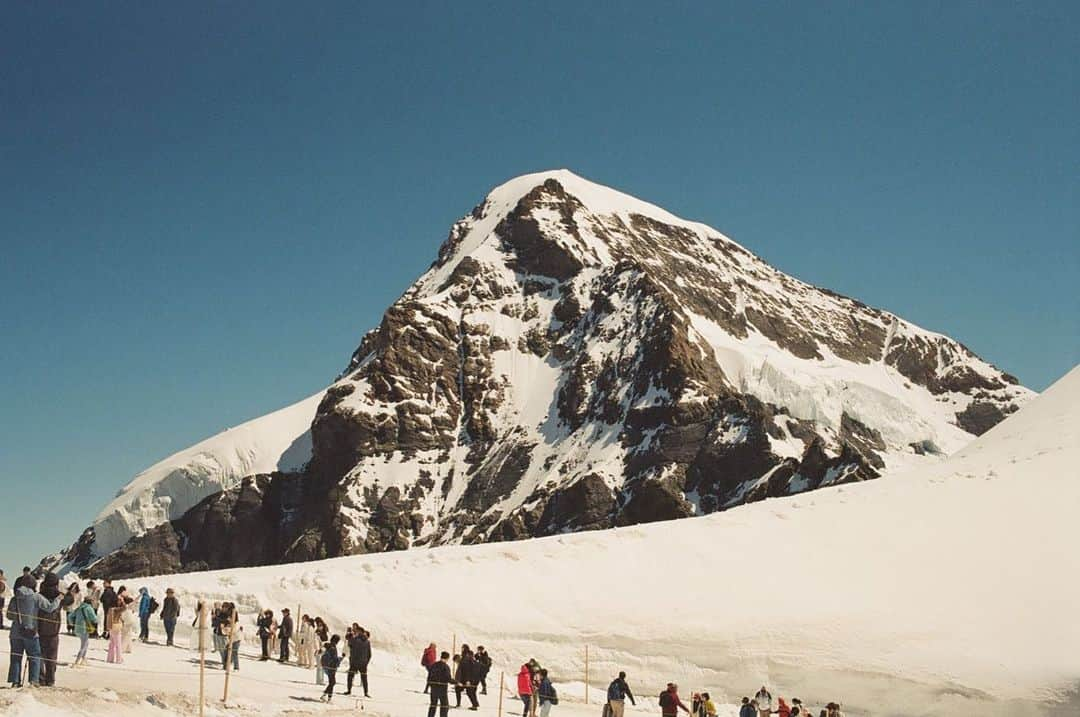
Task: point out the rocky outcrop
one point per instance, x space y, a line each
575 359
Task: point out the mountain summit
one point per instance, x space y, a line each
574 359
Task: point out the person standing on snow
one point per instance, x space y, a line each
22 612
484 660
428 659
114 620
49 629
617 692
108 602
263 627
525 689
439 678
468 677
170 611
85 619
359 657
330 662
144 614
547 695
747 709
285 633
670 704
764 702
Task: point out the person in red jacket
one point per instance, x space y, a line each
670 704
782 708
525 689
426 661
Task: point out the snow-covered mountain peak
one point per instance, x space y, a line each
578 358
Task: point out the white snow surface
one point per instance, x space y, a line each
950 589
278 441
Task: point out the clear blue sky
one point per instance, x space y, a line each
204 206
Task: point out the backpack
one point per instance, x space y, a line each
552 696
665 699
153 605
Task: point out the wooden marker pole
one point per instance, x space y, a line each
586 673
453 650
502 690
228 654
202 658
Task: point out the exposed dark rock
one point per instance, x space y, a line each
979 417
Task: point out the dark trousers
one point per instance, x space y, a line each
439 697
483 683
331 680
1 613
527 700
144 627
265 639
284 649
50 645
170 629
470 692
353 669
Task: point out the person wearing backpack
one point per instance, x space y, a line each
764 702
617 692
427 659
484 659
22 612
85 619
547 694
670 704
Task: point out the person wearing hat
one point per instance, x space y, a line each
170 611
285 631
23 612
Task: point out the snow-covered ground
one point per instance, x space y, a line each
945 591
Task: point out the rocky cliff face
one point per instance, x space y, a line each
577 359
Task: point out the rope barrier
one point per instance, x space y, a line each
254 641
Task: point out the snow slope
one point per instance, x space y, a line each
946 590
278 441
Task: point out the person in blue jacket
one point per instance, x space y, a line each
23 612
144 614
330 663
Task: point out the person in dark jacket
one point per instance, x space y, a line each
484 659
23 611
747 709
330 662
617 693
670 704
546 694
145 610
108 602
170 611
27 579
439 679
359 657
468 677
264 627
49 628
285 630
